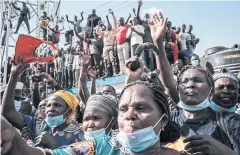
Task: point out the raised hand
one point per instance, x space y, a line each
137 73
140 3
82 13
92 73
18 69
111 11
157 26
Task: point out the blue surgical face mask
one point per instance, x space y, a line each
55 121
195 62
139 140
218 108
17 105
97 133
205 104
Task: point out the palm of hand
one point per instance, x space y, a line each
157 30
157 26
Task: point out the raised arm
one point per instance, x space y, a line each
82 82
15 7
134 12
36 99
114 18
71 22
128 18
138 11
93 74
82 16
158 29
8 105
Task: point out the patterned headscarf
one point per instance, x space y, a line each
224 73
106 103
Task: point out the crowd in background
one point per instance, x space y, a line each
170 104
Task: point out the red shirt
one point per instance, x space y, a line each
175 51
58 33
121 34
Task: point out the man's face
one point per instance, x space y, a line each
93 11
190 27
169 25
147 17
108 91
226 93
24 4
121 22
179 64
178 30
135 21
183 27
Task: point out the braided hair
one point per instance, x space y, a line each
172 130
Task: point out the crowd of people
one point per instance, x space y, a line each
170 104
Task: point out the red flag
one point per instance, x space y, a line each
25 47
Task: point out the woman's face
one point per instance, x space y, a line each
226 93
56 106
41 111
95 119
193 87
138 110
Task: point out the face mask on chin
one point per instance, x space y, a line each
55 121
98 133
192 108
195 63
136 142
218 108
17 105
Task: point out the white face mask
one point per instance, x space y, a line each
17 105
98 133
195 62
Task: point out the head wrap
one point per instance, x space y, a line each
201 69
71 101
106 103
224 73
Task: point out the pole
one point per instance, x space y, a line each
6 43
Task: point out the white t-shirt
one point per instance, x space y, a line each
77 62
135 38
184 38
